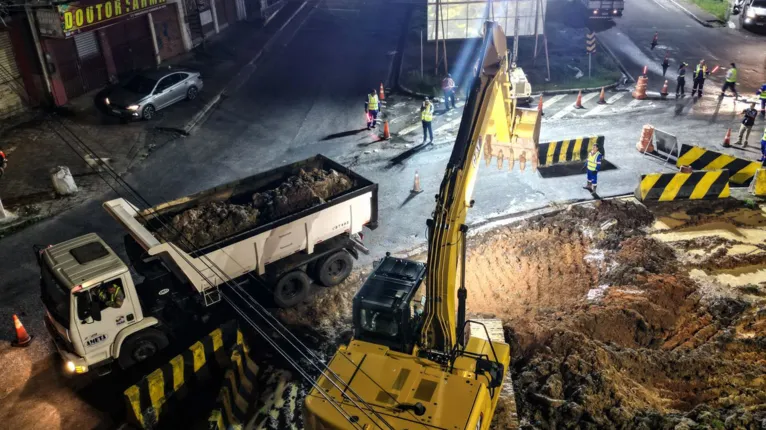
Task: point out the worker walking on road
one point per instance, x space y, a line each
426 116
655 39
448 86
747 124
731 81
700 73
593 166
665 64
372 107
681 87
762 94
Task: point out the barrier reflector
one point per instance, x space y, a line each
666 187
741 171
568 150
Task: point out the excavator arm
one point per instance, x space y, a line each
492 127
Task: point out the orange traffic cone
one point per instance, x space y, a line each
416 186
382 93
22 337
601 99
727 139
386 133
540 106
664 92
578 103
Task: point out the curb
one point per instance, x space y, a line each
239 79
699 20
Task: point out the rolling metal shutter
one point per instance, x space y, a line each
87 45
12 92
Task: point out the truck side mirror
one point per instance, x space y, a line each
84 306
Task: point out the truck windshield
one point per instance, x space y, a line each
55 297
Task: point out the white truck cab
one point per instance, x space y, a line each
76 277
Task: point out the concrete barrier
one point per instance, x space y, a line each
665 187
741 171
759 183
568 150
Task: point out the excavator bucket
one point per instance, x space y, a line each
516 142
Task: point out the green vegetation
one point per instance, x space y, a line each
718 8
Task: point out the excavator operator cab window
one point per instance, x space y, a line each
379 322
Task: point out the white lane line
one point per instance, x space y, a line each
548 103
560 114
660 5
632 104
609 102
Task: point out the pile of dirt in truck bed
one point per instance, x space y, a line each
613 325
210 222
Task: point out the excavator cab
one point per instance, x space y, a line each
384 312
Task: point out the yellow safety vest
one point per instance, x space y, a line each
700 68
593 161
372 102
763 92
764 135
732 75
427 114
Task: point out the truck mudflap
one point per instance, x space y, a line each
155 395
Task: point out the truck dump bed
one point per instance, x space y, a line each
228 231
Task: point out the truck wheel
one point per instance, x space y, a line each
292 288
141 346
334 269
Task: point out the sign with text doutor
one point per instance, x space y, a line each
85 16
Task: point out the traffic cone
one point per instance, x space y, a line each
382 93
578 103
386 133
22 337
540 106
664 92
601 99
727 139
416 186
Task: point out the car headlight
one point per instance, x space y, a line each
70 366
133 107
106 100
750 13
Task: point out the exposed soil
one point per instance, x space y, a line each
208 223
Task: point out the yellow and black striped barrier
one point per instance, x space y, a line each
148 399
741 171
758 186
666 187
568 150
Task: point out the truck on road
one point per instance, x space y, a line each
604 9
101 310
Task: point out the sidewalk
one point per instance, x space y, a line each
33 147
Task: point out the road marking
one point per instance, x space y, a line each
633 104
609 102
660 5
560 114
552 100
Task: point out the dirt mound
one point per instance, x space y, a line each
205 224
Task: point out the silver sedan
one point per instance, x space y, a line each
144 94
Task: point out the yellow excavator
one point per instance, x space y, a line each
412 362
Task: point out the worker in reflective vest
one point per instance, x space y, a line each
700 73
593 166
762 94
372 107
731 81
763 146
426 116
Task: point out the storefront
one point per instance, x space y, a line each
13 96
91 43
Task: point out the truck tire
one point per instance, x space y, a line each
141 346
292 288
334 269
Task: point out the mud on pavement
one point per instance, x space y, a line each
619 316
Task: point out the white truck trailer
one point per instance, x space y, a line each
169 281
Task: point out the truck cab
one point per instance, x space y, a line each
92 307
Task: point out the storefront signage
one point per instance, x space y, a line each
85 16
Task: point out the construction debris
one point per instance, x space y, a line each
210 222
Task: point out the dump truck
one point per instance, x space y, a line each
604 9
100 309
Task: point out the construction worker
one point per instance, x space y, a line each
593 165
448 86
111 296
426 116
681 86
3 163
665 64
372 107
731 81
655 39
763 146
700 73
762 94
747 123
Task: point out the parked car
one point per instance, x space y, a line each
141 96
752 13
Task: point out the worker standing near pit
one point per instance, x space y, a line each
763 147
762 94
747 124
681 87
426 116
593 166
448 86
372 107
700 73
